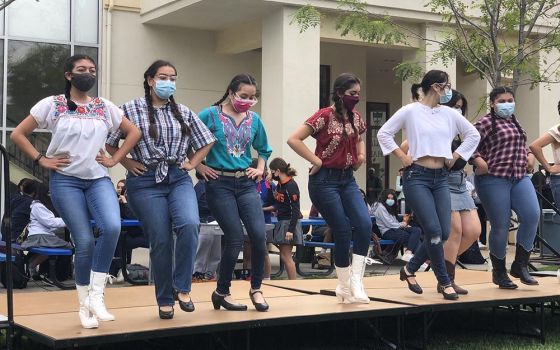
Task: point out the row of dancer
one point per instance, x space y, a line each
434 185
166 139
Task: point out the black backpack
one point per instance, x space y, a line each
20 275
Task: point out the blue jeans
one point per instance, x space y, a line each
427 194
336 195
408 236
78 201
499 197
232 201
163 208
555 188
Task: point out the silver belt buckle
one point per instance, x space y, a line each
239 174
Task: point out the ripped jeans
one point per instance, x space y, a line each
427 194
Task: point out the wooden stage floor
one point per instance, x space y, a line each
51 317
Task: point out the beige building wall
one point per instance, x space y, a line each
203 73
207 59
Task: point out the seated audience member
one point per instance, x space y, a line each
326 233
42 228
208 252
386 216
20 206
135 236
369 206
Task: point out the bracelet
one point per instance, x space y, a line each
38 158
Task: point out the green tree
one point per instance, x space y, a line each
496 38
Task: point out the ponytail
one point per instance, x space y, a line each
285 168
414 91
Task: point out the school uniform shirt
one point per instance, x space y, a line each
43 221
266 190
336 140
505 150
287 204
170 146
78 134
429 132
232 150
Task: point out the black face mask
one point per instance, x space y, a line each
275 178
83 82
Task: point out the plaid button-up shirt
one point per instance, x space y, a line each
171 145
505 150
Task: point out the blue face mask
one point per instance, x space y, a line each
164 88
504 110
446 97
390 202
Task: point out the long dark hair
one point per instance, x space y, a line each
280 164
151 73
493 96
456 97
342 83
42 195
393 210
432 77
68 67
235 83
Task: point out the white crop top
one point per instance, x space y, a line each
429 132
78 134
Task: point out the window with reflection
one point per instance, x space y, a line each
49 20
25 164
35 71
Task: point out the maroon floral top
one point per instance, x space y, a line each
336 141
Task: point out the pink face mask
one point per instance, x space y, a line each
242 105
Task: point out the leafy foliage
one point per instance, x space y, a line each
501 40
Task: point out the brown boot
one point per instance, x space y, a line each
451 273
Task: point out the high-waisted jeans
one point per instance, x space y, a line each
499 197
427 194
336 195
163 208
78 201
232 201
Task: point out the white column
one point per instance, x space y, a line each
290 86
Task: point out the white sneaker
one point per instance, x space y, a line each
120 277
407 256
423 267
481 246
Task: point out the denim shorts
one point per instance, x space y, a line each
461 199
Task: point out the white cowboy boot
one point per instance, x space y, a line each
98 280
86 318
343 292
356 279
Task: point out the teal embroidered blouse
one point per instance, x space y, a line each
232 150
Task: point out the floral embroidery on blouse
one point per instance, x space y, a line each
348 159
329 151
95 109
237 138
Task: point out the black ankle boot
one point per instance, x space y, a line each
499 273
450 267
519 266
